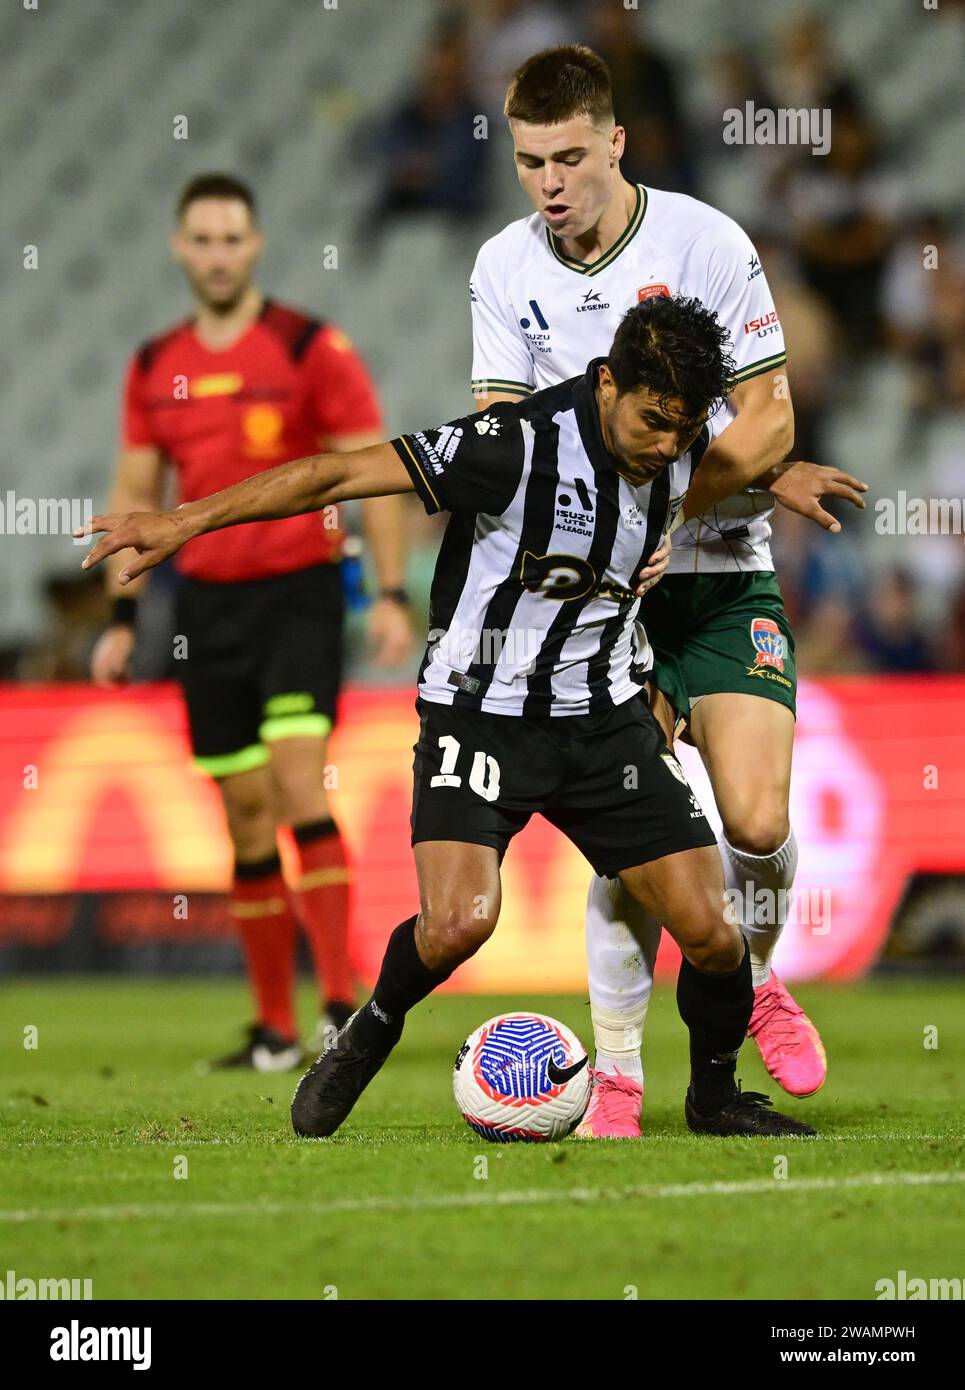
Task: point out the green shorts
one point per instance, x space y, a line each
720 633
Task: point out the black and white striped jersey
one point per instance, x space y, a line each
532 607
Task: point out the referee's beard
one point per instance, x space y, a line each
219 295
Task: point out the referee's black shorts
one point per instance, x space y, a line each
263 661
607 781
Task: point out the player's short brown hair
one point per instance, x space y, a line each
215 186
559 83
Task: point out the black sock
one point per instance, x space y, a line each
403 981
314 830
716 1009
258 868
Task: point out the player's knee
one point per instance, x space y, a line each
760 829
301 801
246 811
251 824
718 954
714 942
453 931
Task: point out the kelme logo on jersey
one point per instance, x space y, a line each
487 424
769 645
539 336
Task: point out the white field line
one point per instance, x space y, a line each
753 1187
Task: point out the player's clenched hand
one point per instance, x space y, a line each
804 485
655 568
390 632
154 535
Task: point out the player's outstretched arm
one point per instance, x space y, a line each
305 485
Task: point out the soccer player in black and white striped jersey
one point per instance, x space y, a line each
555 504
546 294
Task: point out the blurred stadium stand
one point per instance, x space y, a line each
289 95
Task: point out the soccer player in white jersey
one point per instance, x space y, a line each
547 293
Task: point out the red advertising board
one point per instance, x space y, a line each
98 795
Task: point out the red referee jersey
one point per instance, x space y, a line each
287 386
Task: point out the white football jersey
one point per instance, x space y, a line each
538 317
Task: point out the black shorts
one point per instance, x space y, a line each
607 781
264 661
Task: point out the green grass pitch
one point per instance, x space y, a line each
98 1119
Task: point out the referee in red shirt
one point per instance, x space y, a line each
243 385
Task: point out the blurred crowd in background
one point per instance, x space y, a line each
867 274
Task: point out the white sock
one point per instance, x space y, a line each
762 914
620 965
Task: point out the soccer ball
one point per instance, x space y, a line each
522 1077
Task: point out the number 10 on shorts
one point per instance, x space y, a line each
484 777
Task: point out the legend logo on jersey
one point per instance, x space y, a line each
769 647
591 301
653 292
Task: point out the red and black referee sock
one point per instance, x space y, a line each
322 903
268 930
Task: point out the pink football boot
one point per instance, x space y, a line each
787 1040
614 1108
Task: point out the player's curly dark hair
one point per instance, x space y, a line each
677 348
